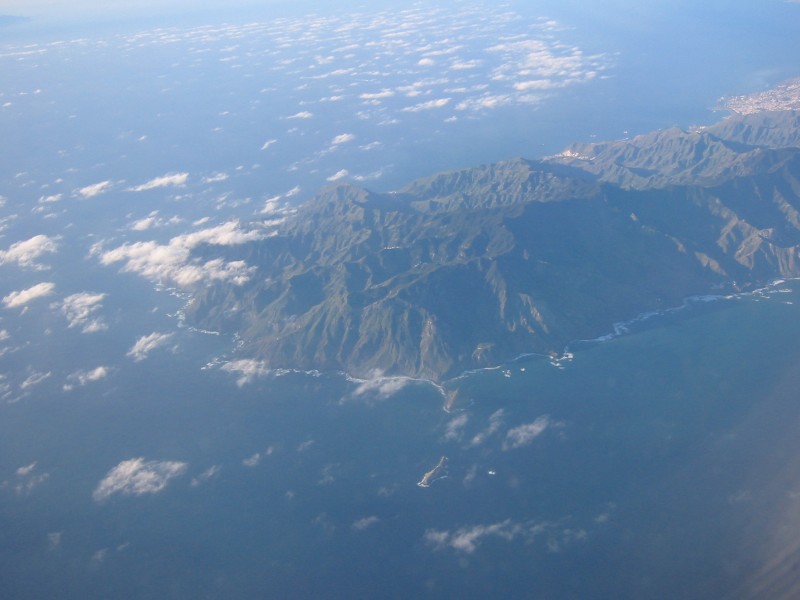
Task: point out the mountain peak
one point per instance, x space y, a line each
473 267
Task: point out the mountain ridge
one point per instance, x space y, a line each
476 266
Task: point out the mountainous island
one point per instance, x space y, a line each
474 267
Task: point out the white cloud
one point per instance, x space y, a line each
248 369
136 477
467 539
426 62
206 475
525 434
339 175
25 252
153 220
143 224
454 428
465 65
365 523
26 470
305 446
380 386
28 479
81 378
173 261
377 95
78 308
22 297
95 326
536 84
487 101
172 179
218 177
342 139
429 105
301 115
33 379
253 460
269 143
495 423
90 191
147 343
4 335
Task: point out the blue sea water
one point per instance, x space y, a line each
663 468
659 463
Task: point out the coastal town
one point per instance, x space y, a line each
785 96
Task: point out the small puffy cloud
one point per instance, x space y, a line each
4 335
95 189
305 446
50 199
174 262
269 143
78 308
495 423
247 369
430 105
365 523
153 220
271 205
342 139
467 539
339 175
143 224
27 479
454 428
26 470
136 477
377 95
81 378
206 475
484 102
426 62
465 65
172 179
536 84
301 115
25 253
22 297
216 177
379 386
525 434
253 460
33 379
147 343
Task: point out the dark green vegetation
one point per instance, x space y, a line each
474 267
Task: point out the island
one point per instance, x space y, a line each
434 473
472 268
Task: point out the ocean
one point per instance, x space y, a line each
654 464
139 459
